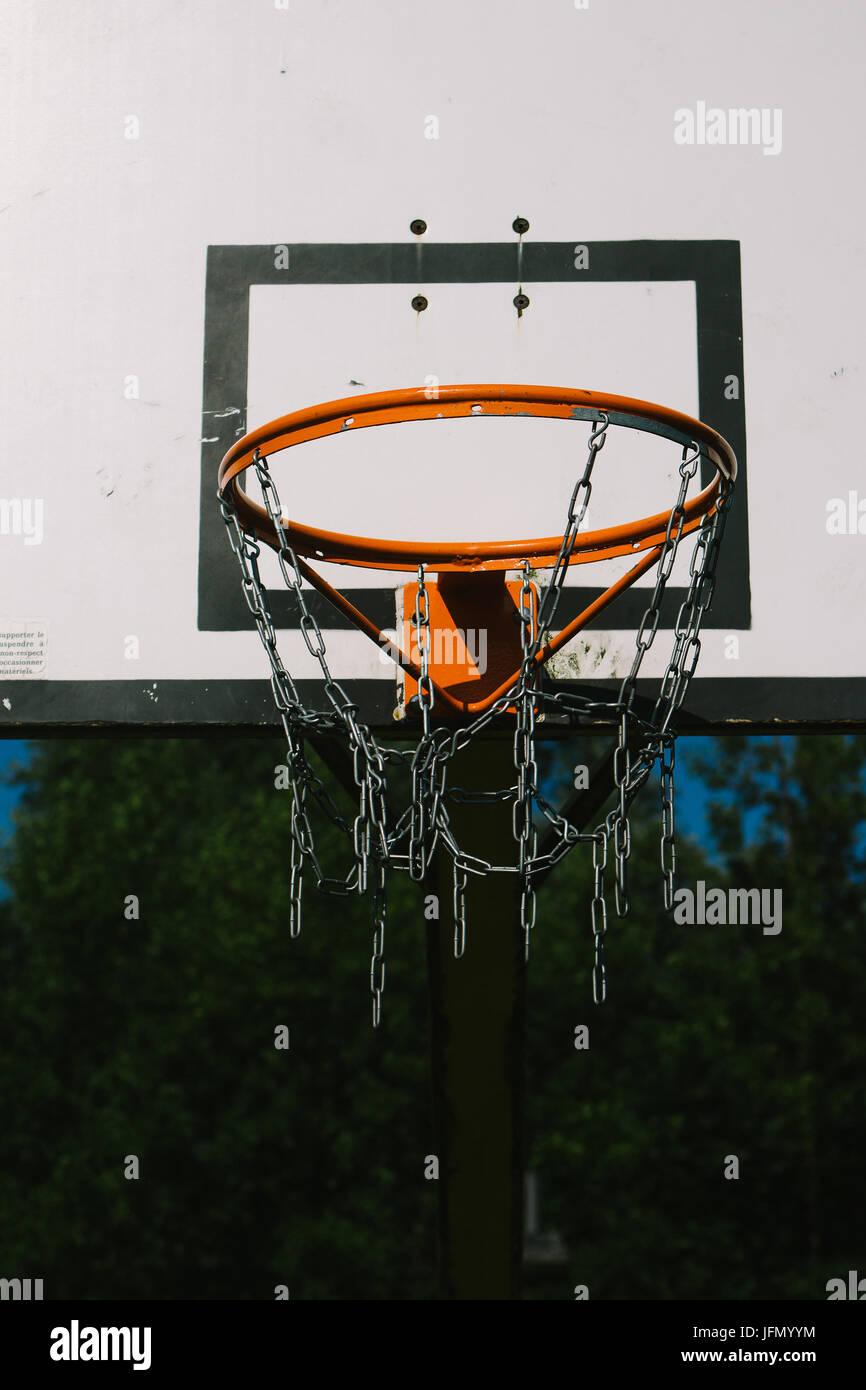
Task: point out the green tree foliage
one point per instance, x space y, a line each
154 1037
715 1040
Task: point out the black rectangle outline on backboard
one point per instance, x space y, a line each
243 704
713 266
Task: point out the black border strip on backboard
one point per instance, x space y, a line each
120 708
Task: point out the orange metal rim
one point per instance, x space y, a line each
394 407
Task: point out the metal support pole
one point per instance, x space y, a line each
477 1011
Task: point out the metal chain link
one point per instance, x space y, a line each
460 880
523 823
422 761
574 520
668 845
421 623
377 960
599 916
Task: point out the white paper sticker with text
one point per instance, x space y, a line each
22 650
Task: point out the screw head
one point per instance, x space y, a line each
419 303
418 226
521 302
520 225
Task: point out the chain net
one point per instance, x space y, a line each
381 839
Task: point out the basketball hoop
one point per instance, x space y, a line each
516 686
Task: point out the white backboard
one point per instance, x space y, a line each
206 224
